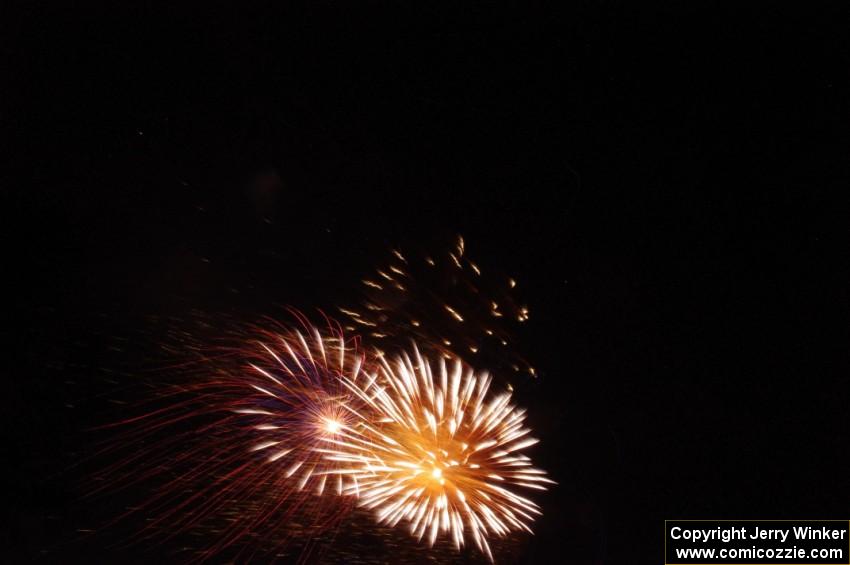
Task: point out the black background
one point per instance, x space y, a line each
666 181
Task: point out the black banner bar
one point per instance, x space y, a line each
757 542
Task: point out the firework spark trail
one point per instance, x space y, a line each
448 304
438 452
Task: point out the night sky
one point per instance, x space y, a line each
667 182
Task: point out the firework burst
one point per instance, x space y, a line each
302 404
438 452
280 432
233 447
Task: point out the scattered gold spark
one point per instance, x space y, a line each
454 313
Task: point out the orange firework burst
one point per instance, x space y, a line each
438 452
